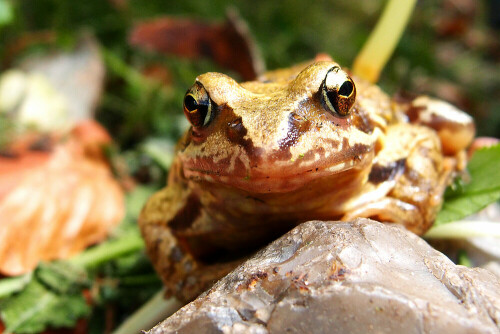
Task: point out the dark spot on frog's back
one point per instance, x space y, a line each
381 173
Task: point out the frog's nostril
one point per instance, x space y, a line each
346 89
236 131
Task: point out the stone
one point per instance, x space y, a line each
345 277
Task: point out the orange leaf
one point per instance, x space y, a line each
55 202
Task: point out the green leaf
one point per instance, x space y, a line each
53 298
62 276
483 189
460 207
37 307
484 169
9 286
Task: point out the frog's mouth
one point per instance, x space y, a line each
277 176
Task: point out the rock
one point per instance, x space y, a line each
345 277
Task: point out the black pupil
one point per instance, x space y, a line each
346 89
190 103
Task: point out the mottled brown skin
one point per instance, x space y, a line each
297 145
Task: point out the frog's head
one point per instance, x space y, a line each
276 134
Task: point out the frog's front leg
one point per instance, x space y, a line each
407 180
166 224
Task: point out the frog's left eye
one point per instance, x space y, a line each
197 106
338 92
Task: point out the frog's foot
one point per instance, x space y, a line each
391 210
455 128
184 276
407 180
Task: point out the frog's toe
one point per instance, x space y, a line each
392 210
455 128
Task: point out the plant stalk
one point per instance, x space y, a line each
383 40
464 229
109 250
155 310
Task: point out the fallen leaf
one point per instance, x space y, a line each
228 44
57 196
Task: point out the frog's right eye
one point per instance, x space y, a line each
198 106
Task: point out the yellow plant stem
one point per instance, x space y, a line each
383 40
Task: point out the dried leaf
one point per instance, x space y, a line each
229 44
57 196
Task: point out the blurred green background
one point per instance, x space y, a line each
450 50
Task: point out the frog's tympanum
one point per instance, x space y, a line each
309 142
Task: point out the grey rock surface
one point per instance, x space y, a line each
338 277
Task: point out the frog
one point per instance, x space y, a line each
309 142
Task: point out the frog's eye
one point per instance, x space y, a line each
198 106
338 92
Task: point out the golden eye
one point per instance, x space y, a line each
338 92
198 106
